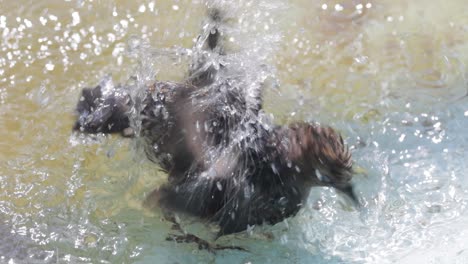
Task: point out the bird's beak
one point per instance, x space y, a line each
348 190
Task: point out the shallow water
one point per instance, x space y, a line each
390 75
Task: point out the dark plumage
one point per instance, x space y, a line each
226 162
102 113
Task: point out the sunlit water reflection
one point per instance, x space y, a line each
390 75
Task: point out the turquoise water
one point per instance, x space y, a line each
390 76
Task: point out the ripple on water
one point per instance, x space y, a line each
429 66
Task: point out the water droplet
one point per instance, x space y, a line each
339 7
274 169
2 22
49 66
133 44
76 18
124 23
28 23
402 137
151 6
297 169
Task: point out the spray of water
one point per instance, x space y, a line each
238 64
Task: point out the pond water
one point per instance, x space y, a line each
391 76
